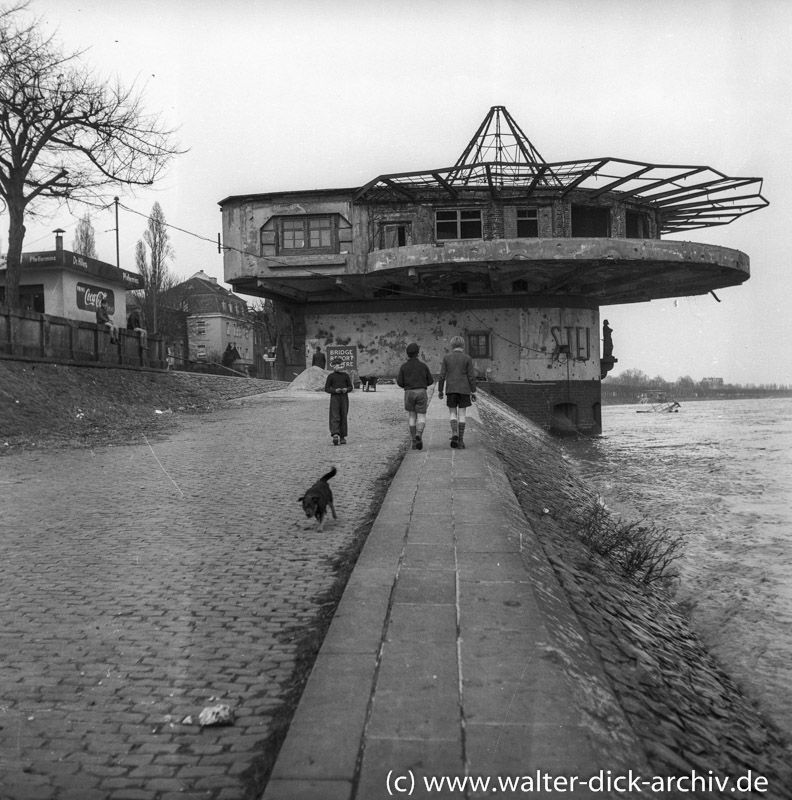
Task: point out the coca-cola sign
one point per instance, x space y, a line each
89 297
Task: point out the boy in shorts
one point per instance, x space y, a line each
414 377
458 377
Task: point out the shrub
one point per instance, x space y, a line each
643 551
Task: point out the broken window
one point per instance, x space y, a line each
636 227
458 223
479 344
527 223
395 234
590 221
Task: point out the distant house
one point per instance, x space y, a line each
215 318
712 383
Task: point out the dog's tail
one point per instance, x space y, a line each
329 475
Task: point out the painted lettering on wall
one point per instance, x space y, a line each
89 297
347 353
577 338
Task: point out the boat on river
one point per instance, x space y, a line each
657 402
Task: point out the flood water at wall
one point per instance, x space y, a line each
720 474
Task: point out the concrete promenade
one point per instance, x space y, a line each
140 584
453 654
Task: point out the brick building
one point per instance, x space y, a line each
512 252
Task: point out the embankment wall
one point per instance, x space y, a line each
686 711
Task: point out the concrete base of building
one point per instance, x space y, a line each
562 407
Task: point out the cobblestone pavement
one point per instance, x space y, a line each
140 584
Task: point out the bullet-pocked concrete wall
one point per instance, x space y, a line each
534 344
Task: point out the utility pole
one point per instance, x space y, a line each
118 257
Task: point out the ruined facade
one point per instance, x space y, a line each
514 253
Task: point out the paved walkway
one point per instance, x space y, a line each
140 584
453 653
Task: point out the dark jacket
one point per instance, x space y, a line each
414 374
338 380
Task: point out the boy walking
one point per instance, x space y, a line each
458 376
415 378
338 385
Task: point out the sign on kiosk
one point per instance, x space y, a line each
347 353
90 297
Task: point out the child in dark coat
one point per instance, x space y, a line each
338 385
415 378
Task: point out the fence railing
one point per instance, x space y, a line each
41 337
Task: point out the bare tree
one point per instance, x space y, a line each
85 238
262 314
65 134
152 264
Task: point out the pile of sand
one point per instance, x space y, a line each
312 379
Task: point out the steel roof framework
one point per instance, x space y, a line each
500 159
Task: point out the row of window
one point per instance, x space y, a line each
238 330
200 351
318 234
466 223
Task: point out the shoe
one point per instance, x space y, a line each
335 438
418 442
343 440
461 444
454 441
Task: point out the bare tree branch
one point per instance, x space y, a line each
66 134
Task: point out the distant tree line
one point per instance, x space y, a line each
628 386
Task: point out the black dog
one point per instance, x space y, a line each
316 500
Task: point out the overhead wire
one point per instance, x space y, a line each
279 262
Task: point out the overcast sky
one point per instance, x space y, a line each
273 95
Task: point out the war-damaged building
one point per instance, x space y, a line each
512 252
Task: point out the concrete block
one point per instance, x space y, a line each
429 556
417 694
426 586
422 622
387 760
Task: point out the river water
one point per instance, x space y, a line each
720 474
